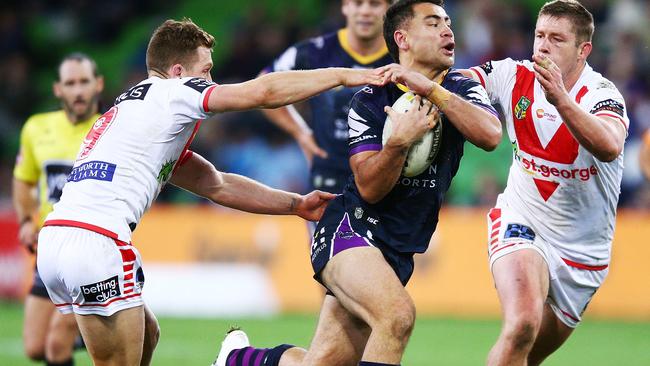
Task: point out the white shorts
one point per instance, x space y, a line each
572 285
89 273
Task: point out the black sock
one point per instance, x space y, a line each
366 363
69 362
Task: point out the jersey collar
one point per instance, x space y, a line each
364 60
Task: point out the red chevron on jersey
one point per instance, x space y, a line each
562 148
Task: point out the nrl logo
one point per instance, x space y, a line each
358 213
521 107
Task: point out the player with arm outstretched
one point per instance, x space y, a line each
86 259
362 250
550 234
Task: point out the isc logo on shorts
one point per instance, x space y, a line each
101 291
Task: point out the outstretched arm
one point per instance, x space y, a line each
288 119
200 177
287 87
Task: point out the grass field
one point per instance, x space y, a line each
435 341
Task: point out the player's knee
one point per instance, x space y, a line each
59 348
521 332
153 333
34 351
401 320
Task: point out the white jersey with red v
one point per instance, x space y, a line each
130 153
567 193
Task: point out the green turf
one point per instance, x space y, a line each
435 341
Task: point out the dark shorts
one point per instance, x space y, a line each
38 287
335 233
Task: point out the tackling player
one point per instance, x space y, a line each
362 250
85 257
49 143
359 45
550 234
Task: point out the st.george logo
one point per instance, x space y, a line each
96 132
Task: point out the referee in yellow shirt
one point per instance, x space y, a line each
49 143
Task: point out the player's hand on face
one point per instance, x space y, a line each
410 126
310 147
549 76
311 206
28 235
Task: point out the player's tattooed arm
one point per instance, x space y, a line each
200 177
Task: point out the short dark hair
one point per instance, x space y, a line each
176 42
578 15
79 57
396 16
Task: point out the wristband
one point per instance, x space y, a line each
439 96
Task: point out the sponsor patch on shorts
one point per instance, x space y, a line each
519 231
101 291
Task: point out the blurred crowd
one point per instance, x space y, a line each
34 35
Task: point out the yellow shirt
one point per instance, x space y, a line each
49 144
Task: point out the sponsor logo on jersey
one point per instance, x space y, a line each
101 291
519 231
521 107
540 113
137 92
97 170
536 168
199 84
367 90
609 105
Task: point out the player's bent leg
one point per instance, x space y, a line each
114 340
552 334
366 285
38 312
151 336
61 336
340 337
339 340
522 280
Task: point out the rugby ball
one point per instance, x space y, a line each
423 151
